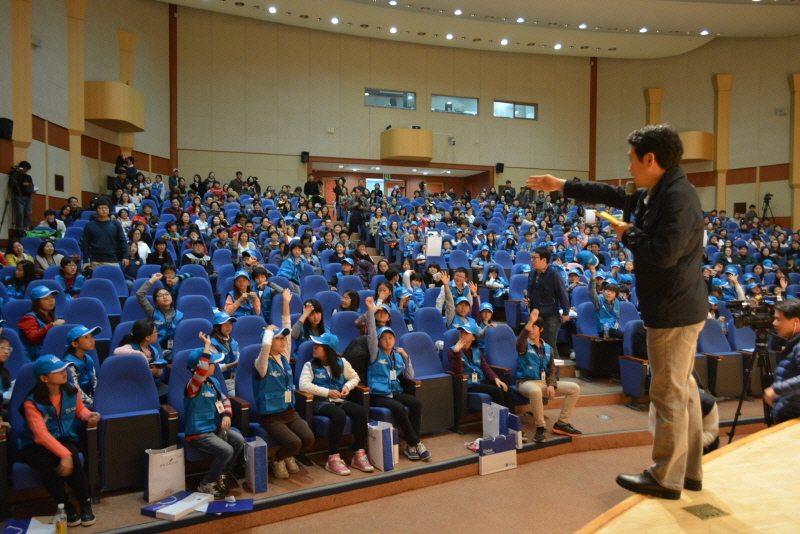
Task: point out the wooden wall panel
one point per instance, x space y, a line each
89 147
161 166
141 160
702 179
774 173
6 155
742 176
109 152
57 136
39 129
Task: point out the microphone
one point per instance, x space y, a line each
630 189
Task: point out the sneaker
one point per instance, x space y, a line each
361 462
566 429
73 517
525 438
539 436
222 485
291 465
279 469
424 454
212 488
337 466
411 453
87 515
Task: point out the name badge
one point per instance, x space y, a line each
393 375
220 407
544 375
287 396
169 344
475 377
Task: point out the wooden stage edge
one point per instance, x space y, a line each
743 488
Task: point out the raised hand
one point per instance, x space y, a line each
370 302
287 295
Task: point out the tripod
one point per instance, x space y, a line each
760 354
767 209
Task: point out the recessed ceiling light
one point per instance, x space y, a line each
504 42
366 93
457 11
582 26
392 2
392 30
520 20
424 173
704 32
273 9
449 36
642 30
413 170
334 20
557 46
342 166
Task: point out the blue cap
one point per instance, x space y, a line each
384 223
80 331
239 274
282 332
718 282
610 281
525 268
349 260
713 300
459 300
767 264
550 244
730 269
221 318
600 274
749 276
485 247
382 330
468 328
41 292
625 279
479 232
194 358
587 259
487 306
327 339
750 286
709 266
575 271
382 306
401 292
48 363
615 263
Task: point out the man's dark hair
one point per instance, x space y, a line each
661 140
168 267
790 308
49 212
24 165
295 244
543 253
390 274
460 270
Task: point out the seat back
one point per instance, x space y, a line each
712 339
458 258
125 385
330 300
244 377
741 338
627 313
131 311
25 380
523 257
90 312
197 286
195 307
377 279
311 285
586 323
221 256
197 271
248 330
349 281
503 258
114 274
431 294
186 335
580 294
343 325
147 271
398 323
55 341
13 310
101 289
431 322
120 331
305 352
631 328
331 268
295 306
519 283
17 358
423 354
501 348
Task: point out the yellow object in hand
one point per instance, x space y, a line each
607 216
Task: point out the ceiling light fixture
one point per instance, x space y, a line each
392 2
392 30
334 20
557 46
449 36
457 11
341 166
704 32
273 9
504 42
642 30
583 26
520 20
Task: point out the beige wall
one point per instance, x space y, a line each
5 61
247 86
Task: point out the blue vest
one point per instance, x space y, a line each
530 365
84 370
231 352
266 304
269 391
458 321
245 308
166 329
419 295
291 270
76 286
472 364
59 425
571 253
607 314
32 350
379 374
324 379
201 411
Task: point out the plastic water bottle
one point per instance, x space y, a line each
60 520
605 331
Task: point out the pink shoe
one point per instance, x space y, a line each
361 462
337 466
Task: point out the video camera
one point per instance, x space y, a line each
753 313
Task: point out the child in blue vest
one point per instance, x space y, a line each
351 301
6 380
48 442
495 280
330 379
466 358
606 308
386 365
458 312
208 418
242 300
536 376
415 282
292 267
80 341
34 325
163 314
171 279
310 323
68 277
406 305
273 389
484 323
227 346
348 268
265 290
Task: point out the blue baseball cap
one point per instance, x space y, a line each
550 244
459 300
615 263
80 331
487 306
587 259
575 271
382 306
525 268
48 363
479 232
384 329
600 274
750 286
713 300
194 358
730 269
485 247
41 292
749 276
718 282
327 339
625 279
349 260
222 318
767 264
610 281
468 328
384 223
401 292
240 274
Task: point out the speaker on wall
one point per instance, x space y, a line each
6 129
304 157
499 168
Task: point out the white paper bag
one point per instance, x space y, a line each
434 243
497 454
495 420
255 457
383 448
166 473
515 429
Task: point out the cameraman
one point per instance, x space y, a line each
22 187
784 394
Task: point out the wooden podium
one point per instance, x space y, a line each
407 144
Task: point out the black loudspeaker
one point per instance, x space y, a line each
6 129
304 157
499 168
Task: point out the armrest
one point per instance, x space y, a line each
360 395
498 369
4 480
410 386
457 376
710 355
92 460
631 358
169 425
304 404
241 415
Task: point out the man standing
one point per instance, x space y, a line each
509 193
546 292
23 188
667 241
103 241
356 208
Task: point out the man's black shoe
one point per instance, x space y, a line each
692 485
645 484
539 436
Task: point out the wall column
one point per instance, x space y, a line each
722 133
794 147
76 14
652 99
21 78
127 45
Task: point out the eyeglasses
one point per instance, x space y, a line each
6 349
162 295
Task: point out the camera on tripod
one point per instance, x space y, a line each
768 197
753 313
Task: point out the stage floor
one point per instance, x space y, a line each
749 486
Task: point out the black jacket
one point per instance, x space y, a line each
546 291
667 244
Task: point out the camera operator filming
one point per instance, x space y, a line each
22 188
784 394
